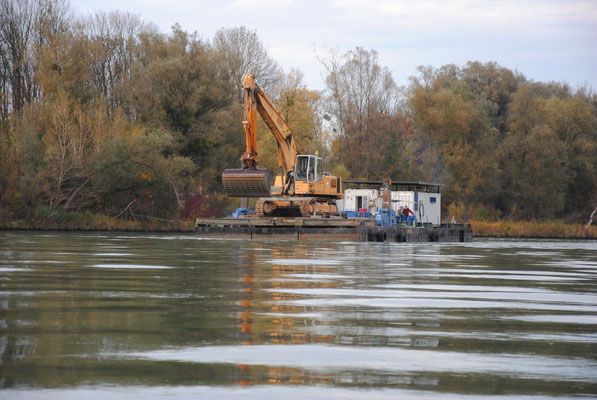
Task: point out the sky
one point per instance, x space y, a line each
546 40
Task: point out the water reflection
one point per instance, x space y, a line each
492 317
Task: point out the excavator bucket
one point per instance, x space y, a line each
246 182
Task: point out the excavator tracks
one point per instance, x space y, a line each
307 208
295 208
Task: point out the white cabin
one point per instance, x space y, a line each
424 199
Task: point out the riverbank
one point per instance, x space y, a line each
72 221
532 229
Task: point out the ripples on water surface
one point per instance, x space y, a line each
128 316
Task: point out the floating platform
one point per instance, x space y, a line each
337 229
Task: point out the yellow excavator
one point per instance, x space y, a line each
302 189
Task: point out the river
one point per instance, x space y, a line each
97 315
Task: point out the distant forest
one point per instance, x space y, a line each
104 113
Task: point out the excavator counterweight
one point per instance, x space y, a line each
246 182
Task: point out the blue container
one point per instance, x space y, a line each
241 212
386 217
356 214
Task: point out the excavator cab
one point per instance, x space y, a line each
308 168
311 180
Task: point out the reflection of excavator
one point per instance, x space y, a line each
301 189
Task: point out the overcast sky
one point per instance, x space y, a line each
546 40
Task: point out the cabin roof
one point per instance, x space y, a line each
416 186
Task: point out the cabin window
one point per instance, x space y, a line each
301 169
311 169
318 169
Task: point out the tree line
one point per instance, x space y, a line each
104 113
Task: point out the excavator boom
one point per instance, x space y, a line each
250 181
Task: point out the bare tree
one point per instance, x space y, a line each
17 25
241 52
358 87
24 26
54 18
113 38
359 93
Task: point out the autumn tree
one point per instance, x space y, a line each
180 88
493 86
63 66
454 142
574 122
361 97
548 160
134 175
533 169
70 135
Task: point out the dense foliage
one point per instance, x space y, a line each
105 114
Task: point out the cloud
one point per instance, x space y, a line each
261 3
545 39
470 11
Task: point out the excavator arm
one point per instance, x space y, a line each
251 181
275 121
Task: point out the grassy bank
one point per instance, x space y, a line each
532 229
59 220
72 221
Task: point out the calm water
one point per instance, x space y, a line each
172 316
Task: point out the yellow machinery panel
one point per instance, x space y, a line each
328 186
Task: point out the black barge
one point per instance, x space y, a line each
336 229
